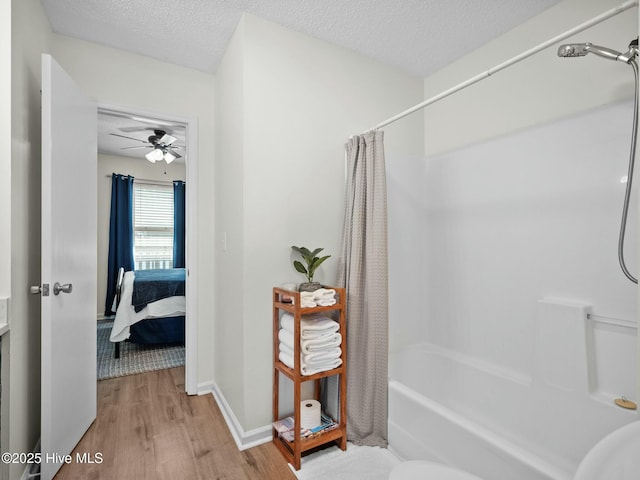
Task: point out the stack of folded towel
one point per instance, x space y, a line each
319 343
323 297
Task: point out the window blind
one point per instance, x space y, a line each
153 226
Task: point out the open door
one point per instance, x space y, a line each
68 290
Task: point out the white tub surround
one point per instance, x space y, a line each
501 424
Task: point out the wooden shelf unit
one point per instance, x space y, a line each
293 451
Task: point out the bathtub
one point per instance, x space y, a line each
493 422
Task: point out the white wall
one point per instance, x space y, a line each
540 89
138 168
537 90
523 217
117 78
30 36
505 209
301 100
230 113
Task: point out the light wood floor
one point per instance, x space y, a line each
148 428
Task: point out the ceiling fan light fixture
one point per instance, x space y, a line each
154 155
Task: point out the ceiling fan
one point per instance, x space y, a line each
161 144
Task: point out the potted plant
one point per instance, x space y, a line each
313 262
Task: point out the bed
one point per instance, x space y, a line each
150 307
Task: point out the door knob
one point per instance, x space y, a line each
37 290
66 288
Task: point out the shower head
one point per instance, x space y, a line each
581 49
573 50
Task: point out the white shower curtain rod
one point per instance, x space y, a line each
528 53
149 182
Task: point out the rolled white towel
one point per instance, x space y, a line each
286 322
325 302
310 369
321 343
286 349
286 359
324 293
320 367
314 327
307 300
322 357
325 297
310 359
310 325
286 337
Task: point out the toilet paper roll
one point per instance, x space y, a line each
310 414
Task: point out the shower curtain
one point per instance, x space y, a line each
363 271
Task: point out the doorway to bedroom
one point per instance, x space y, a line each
143 212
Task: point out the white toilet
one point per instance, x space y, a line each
615 457
424 470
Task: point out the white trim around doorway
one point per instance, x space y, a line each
191 158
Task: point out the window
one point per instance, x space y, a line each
152 226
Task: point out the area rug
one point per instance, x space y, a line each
134 358
370 463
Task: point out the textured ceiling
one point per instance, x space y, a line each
419 36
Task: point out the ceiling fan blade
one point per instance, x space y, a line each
141 146
129 138
176 154
167 139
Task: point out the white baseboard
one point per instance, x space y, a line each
243 439
205 388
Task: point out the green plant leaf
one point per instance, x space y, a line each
299 267
305 252
315 263
312 260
